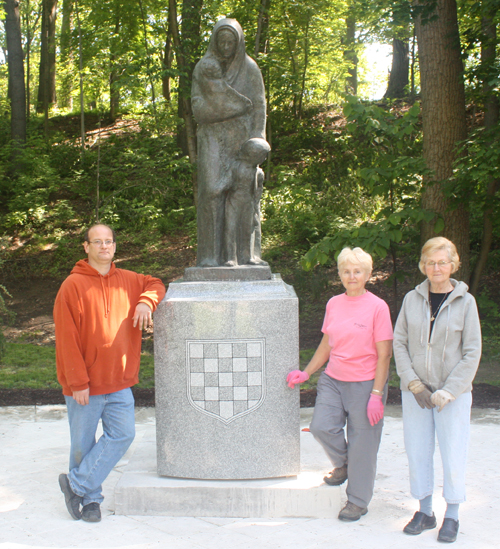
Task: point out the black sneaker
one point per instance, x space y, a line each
91 512
73 501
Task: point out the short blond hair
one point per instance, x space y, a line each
439 243
356 255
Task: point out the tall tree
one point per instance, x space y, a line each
489 43
443 116
187 42
167 58
30 27
16 71
66 58
114 74
262 28
47 74
398 78
350 53
400 28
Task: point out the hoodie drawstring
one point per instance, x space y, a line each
105 296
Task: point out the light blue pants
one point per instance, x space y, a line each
452 426
90 462
339 403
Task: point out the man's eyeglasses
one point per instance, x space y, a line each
99 243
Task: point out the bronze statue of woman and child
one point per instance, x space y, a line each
229 105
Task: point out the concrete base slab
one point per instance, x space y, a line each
140 491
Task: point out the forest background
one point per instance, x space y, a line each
96 125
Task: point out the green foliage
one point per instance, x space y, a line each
386 143
145 184
313 183
477 166
489 313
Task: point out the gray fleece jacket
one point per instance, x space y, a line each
450 358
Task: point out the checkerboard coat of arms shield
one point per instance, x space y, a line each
225 378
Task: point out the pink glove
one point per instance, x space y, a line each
375 409
296 377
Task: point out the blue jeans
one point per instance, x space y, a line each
452 426
90 462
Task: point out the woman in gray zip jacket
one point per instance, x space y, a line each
437 348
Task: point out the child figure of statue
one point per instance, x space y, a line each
242 232
219 94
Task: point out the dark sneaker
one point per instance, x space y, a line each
419 523
352 512
91 512
73 501
448 532
337 477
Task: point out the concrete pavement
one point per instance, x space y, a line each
34 445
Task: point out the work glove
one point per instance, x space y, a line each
375 409
421 393
441 398
296 376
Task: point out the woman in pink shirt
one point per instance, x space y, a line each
357 343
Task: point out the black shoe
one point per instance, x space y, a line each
337 477
419 523
91 512
73 501
448 532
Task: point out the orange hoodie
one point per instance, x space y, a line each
96 343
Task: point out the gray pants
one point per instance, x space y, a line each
338 403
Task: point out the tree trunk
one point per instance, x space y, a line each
47 74
412 67
398 78
80 67
16 72
30 26
304 71
187 54
292 44
350 56
443 118
262 28
65 93
491 118
114 87
148 62
167 64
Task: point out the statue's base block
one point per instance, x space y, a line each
222 353
140 491
239 272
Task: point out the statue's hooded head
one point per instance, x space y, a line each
227 44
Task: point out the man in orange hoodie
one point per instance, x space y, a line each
99 315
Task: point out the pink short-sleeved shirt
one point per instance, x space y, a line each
353 326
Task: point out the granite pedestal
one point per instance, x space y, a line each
222 353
